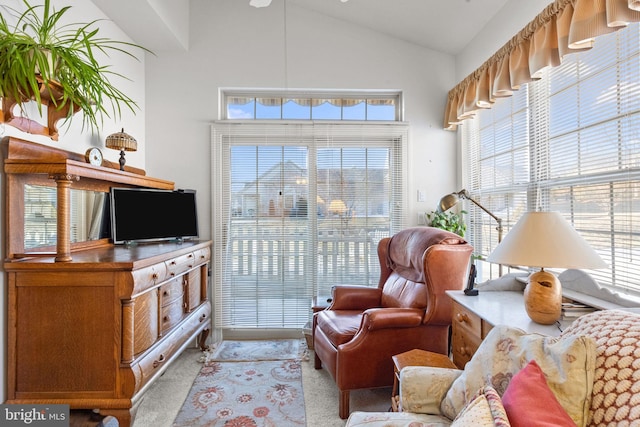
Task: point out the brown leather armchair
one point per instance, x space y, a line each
363 327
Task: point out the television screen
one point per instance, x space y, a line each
139 215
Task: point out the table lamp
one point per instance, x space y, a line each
545 240
123 142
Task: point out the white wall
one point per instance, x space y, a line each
71 137
235 45
512 18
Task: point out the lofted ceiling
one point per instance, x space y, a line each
442 25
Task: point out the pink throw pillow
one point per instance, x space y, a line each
529 402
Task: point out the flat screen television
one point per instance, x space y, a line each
144 215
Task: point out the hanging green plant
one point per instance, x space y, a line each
54 64
449 221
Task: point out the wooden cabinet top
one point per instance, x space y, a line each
504 308
113 257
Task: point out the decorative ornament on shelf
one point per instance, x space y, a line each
121 141
94 156
545 240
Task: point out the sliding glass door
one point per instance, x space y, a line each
296 214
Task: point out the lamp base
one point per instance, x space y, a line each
122 160
543 298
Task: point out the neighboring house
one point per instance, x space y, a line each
282 191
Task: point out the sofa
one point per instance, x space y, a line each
587 376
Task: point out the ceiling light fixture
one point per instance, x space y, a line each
260 3
265 3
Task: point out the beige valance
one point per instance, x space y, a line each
565 26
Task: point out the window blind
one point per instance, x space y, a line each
299 208
573 138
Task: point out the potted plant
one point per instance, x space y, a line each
449 221
55 64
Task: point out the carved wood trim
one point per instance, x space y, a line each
27 162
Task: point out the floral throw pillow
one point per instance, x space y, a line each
568 363
485 409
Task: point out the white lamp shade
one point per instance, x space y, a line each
545 240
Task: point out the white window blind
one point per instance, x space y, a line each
580 136
299 208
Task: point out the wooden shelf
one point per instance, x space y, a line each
53 114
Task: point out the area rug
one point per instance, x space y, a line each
245 351
236 387
245 394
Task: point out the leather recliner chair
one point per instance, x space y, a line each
355 337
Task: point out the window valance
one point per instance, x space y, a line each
563 27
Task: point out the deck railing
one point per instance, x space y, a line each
271 253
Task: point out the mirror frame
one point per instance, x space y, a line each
28 162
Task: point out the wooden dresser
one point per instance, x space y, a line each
92 324
475 316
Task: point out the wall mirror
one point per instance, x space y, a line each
89 216
56 202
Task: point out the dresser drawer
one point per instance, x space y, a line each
149 277
202 255
170 346
467 334
463 346
462 317
171 291
181 264
171 315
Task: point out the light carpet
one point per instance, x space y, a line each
163 400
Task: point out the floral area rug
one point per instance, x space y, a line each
244 351
253 393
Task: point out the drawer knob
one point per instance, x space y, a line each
154 276
462 318
159 362
204 316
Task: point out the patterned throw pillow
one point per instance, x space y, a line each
616 388
484 410
568 364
